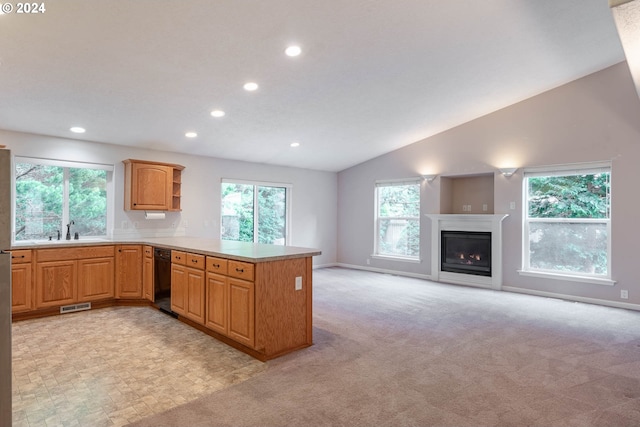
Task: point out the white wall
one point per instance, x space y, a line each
314 193
596 118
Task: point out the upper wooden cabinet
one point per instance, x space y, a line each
152 185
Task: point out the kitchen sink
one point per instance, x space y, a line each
58 242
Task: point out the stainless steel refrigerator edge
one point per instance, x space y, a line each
5 288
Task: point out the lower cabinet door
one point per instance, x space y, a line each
96 279
147 279
217 296
21 287
242 311
56 283
178 289
129 271
195 295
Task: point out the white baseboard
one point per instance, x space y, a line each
385 271
332 264
597 301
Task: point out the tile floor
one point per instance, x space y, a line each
113 366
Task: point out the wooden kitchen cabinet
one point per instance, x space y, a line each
69 275
231 299
188 285
242 311
152 185
21 283
129 271
96 278
179 289
195 295
56 283
217 298
147 273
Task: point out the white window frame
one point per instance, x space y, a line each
66 164
288 190
378 218
564 170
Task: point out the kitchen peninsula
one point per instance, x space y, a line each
254 297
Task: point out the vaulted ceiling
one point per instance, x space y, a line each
373 75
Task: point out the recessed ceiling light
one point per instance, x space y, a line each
295 144
293 51
251 86
77 129
217 113
190 134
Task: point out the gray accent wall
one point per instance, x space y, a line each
593 119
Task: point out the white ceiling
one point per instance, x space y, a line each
374 75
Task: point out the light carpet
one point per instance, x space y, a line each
397 351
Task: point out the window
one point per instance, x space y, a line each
567 225
397 229
255 212
50 194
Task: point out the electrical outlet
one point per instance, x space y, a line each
512 205
136 224
468 208
298 283
125 225
485 207
368 261
624 294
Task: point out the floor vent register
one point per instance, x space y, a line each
75 307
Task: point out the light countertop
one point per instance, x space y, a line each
241 251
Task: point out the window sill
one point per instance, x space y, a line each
396 258
568 277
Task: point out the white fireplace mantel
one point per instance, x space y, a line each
469 222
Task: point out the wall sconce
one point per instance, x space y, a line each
508 171
429 178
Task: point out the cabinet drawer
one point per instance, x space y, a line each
241 270
63 254
179 257
195 261
21 256
148 251
216 265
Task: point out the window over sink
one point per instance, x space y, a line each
50 194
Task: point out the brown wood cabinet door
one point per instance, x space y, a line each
147 278
96 279
56 283
217 296
178 289
242 311
195 295
21 286
129 271
152 186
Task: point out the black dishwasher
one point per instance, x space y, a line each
162 279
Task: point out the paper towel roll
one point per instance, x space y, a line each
154 215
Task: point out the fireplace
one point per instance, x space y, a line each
466 252
457 241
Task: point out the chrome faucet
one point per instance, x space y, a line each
69 230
